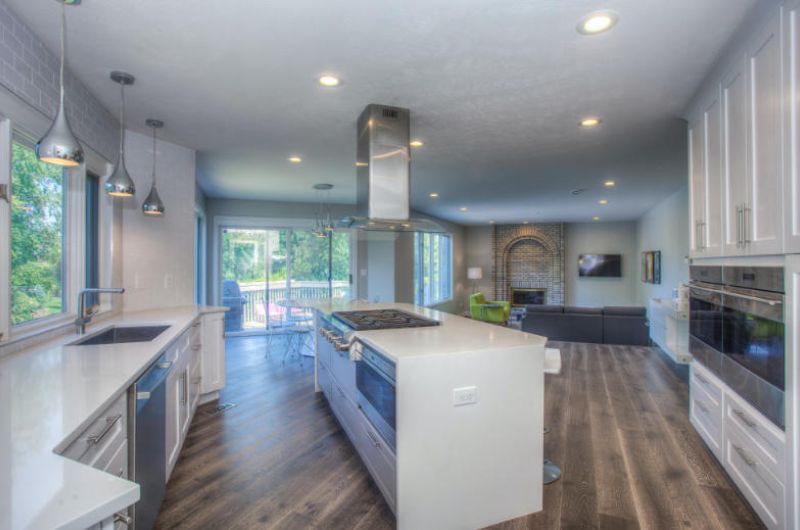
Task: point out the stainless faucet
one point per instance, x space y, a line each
83 319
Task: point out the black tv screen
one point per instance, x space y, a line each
600 265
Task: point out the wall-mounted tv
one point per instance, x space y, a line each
600 265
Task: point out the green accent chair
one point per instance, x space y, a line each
492 311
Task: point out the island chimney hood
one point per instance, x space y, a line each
382 167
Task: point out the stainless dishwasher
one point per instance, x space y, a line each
149 460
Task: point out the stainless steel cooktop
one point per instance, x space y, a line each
382 319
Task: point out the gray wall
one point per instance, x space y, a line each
29 72
601 238
666 228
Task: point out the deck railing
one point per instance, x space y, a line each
254 312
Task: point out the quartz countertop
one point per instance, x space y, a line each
48 395
455 334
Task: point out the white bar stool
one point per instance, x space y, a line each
552 366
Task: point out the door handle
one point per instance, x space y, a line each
746 224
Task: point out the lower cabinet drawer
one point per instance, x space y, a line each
751 474
324 379
760 435
343 371
702 378
99 442
706 415
379 460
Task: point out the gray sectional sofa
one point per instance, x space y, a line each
601 325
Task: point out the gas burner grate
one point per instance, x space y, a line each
383 319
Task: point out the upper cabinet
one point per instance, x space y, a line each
736 135
705 170
791 129
762 217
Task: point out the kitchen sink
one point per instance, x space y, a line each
122 334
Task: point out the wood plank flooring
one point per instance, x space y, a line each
619 428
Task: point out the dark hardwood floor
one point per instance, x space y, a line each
619 428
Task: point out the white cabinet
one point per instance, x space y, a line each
762 218
735 172
705 173
213 353
697 183
177 410
791 70
736 154
751 449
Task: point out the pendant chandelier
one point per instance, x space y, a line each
322 217
120 184
152 205
59 146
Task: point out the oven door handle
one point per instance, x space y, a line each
377 370
739 295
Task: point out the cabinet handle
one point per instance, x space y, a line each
185 392
745 225
196 324
747 421
122 518
374 440
165 365
702 379
197 347
738 226
700 406
110 421
743 454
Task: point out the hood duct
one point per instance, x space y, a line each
382 166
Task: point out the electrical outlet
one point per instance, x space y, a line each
467 395
169 281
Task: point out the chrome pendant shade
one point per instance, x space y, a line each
120 183
59 146
152 205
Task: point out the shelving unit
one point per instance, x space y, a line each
669 329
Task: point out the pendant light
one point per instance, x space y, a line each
59 146
322 218
120 184
152 204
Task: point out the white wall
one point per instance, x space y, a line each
158 252
601 238
666 228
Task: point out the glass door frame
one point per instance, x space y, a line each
221 223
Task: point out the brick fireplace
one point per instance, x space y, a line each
529 259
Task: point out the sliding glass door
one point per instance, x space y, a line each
262 269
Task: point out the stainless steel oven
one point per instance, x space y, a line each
376 396
737 330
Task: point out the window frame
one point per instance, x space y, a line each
74 241
424 295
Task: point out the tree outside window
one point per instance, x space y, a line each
37 237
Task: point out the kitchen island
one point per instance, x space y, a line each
458 442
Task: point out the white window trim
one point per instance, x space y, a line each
74 243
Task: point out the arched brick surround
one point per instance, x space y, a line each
529 256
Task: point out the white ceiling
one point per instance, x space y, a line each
496 88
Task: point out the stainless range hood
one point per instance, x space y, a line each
382 166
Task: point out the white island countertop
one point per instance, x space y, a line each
455 334
48 395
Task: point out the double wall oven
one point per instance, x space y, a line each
737 330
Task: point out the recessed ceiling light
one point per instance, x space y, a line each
295 159
525 222
491 222
329 81
597 22
609 184
588 123
463 208
433 195
602 201
416 143
361 164
596 218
